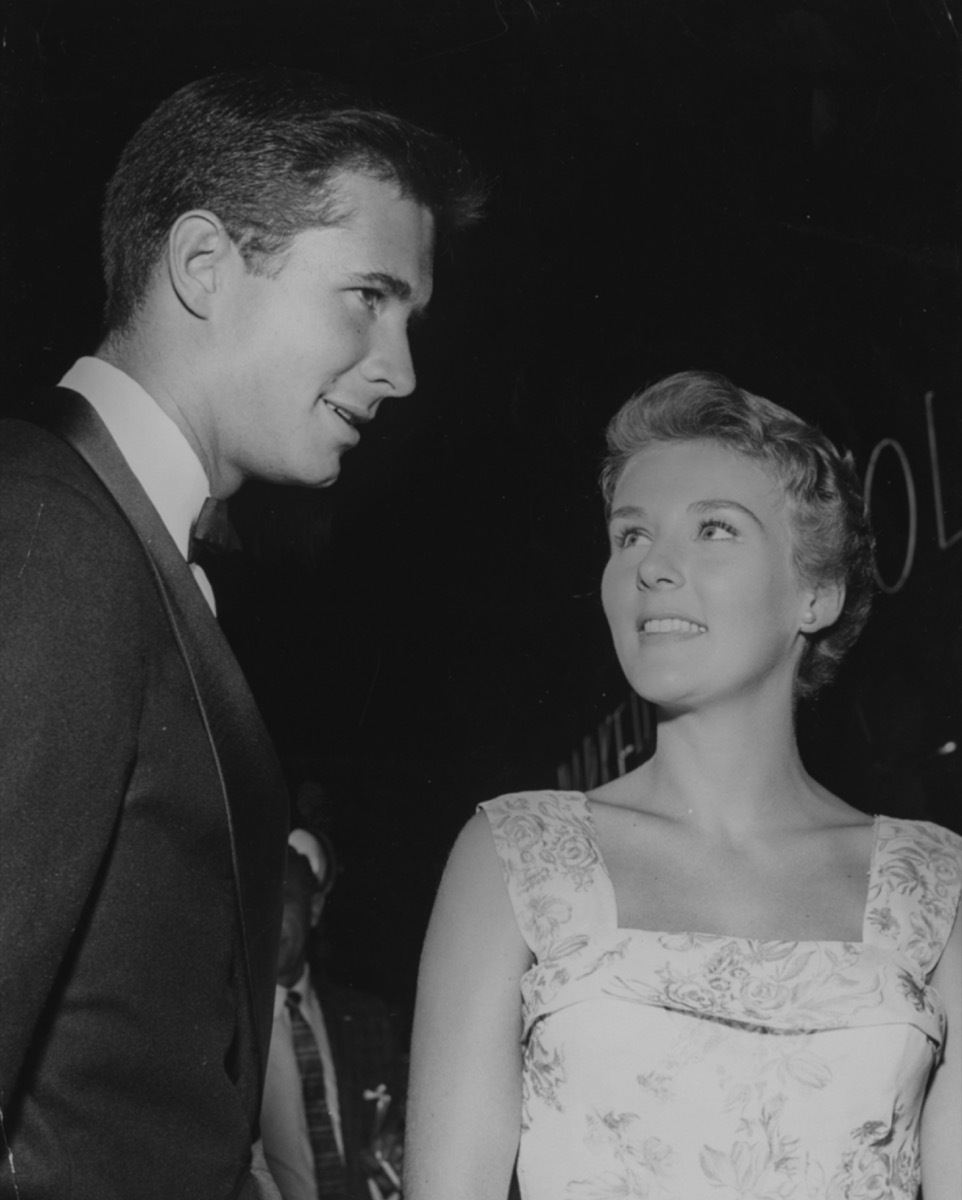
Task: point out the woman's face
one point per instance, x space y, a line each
700 590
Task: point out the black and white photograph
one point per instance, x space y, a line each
481 600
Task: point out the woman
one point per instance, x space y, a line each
681 985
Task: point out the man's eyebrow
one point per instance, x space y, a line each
392 284
396 287
701 506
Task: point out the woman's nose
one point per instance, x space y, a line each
659 568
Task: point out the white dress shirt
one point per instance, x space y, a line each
287 1145
156 451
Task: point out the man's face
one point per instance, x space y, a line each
303 905
306 353
295 928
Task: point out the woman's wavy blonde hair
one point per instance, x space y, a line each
832 541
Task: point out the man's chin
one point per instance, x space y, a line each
328 474
312 480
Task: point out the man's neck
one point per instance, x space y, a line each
147 363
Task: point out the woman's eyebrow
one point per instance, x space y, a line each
702 506
626 510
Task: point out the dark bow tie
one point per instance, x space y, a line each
212 532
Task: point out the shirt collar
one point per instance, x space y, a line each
156 451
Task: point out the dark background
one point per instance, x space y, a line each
770 189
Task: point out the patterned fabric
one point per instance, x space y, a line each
328 1168
692 1066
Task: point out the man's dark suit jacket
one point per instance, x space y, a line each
142 840
365 1053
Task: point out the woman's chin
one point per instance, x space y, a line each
666 690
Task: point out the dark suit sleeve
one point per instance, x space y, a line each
70 696
366 1056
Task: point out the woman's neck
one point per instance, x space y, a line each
733 769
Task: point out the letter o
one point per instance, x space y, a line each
892 588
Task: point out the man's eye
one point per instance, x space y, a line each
370 297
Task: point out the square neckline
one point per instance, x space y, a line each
734 937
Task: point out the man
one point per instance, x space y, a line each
264 248
334 1077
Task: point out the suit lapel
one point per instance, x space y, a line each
253 789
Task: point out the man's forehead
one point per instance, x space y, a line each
357 194
387 238
305 871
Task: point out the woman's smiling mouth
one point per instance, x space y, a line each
654 625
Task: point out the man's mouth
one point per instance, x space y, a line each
347 416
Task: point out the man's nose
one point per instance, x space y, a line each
659 568
390 362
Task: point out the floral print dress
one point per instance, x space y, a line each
701 1067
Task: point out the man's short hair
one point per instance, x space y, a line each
260 149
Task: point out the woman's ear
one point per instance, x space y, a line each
198 249
823 606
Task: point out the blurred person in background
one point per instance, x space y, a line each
330 1118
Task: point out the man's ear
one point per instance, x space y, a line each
317 907
823 606
198 250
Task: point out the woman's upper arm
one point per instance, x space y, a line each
942 1114
464 1106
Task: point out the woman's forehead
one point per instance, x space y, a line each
696 466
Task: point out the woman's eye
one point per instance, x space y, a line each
627 537
715 530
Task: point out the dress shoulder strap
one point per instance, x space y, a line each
914 889
552 868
